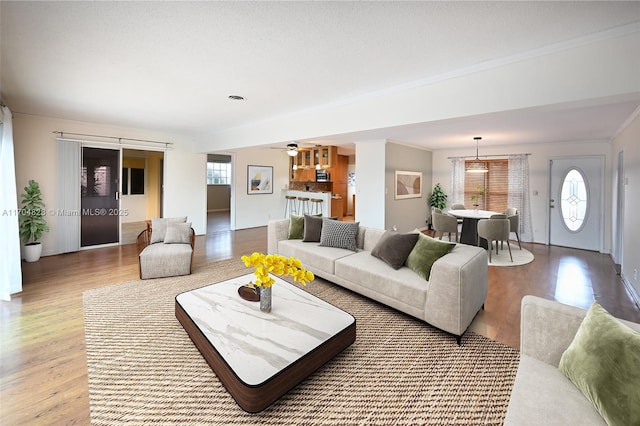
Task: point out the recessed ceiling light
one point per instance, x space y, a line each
236 98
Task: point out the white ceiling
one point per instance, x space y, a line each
169 66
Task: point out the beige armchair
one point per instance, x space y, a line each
166 248
494 229
514 219
458 206
444 223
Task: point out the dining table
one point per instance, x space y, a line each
470 218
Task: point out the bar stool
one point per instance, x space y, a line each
303 205
290 206
316 205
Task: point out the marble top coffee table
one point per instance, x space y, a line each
261 356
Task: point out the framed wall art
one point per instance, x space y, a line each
408 184
259 180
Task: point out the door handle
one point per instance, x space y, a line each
117 195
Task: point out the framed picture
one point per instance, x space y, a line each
259 180
408 184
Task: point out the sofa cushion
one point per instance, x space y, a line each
178 233
603 362
296 227
339 234
317 259
541 395
402 285
165 260
394 248
159 227
424 254
312 229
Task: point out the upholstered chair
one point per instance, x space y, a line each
166 248
494 229
444 223
458 206
514 218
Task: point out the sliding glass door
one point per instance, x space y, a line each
100 196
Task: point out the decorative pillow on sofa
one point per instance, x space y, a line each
312 228
178 233
394 248
159 227
603 361
339 234
296 227
424 254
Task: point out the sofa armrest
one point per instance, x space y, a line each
547 328
277 230
459 282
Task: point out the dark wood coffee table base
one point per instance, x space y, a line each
256 398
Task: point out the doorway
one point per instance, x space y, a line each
100 197
575 204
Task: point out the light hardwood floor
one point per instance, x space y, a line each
43 357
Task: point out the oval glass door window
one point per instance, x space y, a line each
574 200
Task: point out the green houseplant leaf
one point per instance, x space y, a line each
438 198
32 212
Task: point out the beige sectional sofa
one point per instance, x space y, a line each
454 294
542 395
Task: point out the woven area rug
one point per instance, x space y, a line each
144 369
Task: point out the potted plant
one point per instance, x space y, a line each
32 222
437 199
477 196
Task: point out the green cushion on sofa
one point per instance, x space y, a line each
603 361
424 254
296 227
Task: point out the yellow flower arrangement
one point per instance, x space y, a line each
277 265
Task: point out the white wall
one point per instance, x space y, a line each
539 176
135 206
185 187
36 158
370 183
629 142
250 211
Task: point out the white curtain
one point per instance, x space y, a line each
10 267
457 181
518 196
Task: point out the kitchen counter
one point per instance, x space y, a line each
324 196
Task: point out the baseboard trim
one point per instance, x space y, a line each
631 290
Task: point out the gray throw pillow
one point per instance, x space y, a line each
178 233
312 228
394 248
339 234
159 227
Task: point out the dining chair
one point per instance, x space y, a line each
444 223
494 229
514 218
458 206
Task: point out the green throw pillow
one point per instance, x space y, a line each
424 254
603 361
296 227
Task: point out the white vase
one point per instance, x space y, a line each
265 299
32 252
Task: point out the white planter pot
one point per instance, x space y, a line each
32 252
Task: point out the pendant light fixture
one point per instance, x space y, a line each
477 166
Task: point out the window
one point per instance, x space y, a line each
132 181
574 200
488 191
218 173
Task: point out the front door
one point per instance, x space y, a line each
575 205
100 186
